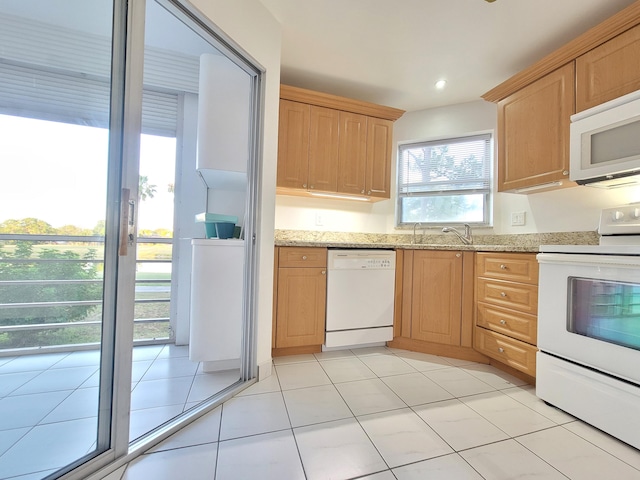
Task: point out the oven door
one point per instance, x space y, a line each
589 311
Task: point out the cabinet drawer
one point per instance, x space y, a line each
516 296
509 351
517 267
302 257
508 322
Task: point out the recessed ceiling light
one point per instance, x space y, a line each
440 84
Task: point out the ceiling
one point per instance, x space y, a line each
392 52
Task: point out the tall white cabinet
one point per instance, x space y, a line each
217 290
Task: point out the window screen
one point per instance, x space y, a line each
445 181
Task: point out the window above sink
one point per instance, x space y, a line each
445 181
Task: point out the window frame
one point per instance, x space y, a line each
488 193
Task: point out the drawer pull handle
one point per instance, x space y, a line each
501 350
503 322
503 267
304 257
503 294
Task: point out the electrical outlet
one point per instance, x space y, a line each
518 219
319 219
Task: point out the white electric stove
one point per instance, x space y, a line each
589 326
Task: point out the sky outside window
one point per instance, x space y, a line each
56 172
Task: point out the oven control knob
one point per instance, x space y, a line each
617 215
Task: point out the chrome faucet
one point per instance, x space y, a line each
467 239
413 239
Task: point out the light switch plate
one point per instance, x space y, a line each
518 219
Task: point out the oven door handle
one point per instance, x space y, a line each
619 261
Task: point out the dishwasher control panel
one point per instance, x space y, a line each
361 260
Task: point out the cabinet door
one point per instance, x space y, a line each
378 173
323 149
436 301
302 295
293 145
352 157
608 71
533 131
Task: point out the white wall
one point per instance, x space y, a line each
565 210
254 29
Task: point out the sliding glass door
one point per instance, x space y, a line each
83 95
63 231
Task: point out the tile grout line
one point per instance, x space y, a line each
596 445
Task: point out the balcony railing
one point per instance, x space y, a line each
51 292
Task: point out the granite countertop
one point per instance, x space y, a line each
481 243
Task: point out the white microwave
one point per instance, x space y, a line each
605 143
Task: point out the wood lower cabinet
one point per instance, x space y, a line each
533 132
434 303
506 309
436 290
608 71
300 299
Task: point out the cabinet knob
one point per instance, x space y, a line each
501 350
503 294
324 272
304 185
362 192
565 172
503 322
304 257
311 187
503 267
369 192
458 255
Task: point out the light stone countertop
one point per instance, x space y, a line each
481 243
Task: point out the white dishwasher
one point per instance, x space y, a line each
360 297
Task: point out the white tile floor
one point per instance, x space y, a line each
383 414
48 403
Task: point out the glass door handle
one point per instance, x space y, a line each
127 222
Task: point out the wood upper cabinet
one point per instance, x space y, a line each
352 156
307 147
323 149
535 105
293 144
608 71
533 132
301 295
333 144
378 168
436 296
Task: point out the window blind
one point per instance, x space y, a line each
458 164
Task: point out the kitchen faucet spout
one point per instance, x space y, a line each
413 238
467 238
